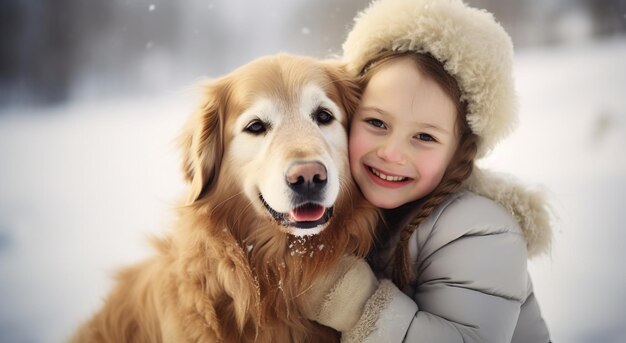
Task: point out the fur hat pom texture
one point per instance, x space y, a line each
472 46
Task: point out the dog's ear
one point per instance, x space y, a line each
201 141
349 91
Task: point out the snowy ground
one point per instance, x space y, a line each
571 140
83 184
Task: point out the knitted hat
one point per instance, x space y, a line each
472 46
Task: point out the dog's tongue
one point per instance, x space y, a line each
307 213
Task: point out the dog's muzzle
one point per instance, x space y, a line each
305 216
307 181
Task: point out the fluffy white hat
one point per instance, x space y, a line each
473 47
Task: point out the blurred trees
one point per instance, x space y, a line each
40 45
54 50
608 16
538 22
47 46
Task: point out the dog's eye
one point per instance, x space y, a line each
323 116
256 127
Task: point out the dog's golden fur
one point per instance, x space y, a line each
229 272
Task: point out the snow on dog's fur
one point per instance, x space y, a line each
271 206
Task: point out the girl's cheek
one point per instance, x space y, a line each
353 149
354 141
433 165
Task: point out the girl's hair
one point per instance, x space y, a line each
460 167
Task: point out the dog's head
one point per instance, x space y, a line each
274 131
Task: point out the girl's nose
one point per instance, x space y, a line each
391 151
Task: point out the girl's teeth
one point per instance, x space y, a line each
387 177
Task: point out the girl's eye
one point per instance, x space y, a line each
377 123
425 137
256 127
323 117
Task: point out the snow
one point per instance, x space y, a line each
570 143
81 186
300 245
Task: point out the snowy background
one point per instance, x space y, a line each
89 168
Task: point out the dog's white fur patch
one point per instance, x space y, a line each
262 160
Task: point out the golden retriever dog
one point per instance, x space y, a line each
271 206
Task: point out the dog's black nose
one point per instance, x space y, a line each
307 178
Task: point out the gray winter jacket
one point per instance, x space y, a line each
471 283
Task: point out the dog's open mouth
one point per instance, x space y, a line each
306 216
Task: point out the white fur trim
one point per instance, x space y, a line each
367 323
474 48
527 206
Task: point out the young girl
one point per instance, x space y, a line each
437 94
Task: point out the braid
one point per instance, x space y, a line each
458 171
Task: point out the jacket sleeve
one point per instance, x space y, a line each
471 281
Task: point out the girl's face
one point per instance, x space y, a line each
403 135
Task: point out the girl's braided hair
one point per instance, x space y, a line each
460 167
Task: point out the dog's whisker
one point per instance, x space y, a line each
225 201
243 210
338 80
303 291
346 187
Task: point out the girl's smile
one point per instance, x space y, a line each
385 179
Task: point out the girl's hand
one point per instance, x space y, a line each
337 298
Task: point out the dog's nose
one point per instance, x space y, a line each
307 178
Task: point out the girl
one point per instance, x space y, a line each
437 94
